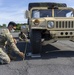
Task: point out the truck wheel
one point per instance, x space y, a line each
35 39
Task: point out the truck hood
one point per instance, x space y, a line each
60 19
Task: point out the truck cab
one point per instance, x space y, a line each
49 21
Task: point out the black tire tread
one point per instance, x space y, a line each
35 41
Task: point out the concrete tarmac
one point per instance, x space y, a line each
56 59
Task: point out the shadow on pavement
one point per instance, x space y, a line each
48 47
48 52
56 54
21 46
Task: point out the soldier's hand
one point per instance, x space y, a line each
21 54
15 41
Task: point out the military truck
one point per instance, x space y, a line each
49 21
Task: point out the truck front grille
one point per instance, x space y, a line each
64 24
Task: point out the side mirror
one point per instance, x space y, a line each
27 14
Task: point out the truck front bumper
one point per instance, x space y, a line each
62 34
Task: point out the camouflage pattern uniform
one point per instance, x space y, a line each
22 37
6 39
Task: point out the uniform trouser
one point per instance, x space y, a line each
4 58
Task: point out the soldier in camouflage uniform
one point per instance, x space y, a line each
22 36
23 33
7 39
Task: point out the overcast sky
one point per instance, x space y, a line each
13 10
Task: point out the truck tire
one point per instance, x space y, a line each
35 39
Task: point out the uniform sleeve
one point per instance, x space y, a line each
20 37
11 43
25 35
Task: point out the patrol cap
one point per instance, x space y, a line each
12 23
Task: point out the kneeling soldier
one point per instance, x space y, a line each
7 39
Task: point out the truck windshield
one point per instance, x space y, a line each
63 13
41 13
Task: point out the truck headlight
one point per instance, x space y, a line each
36 22
50 24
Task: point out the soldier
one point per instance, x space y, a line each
22 36
7 39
